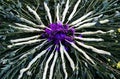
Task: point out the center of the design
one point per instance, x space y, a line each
59 32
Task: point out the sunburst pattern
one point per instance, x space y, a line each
56 41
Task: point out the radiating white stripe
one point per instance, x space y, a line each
95 32
86 25
39 46
28 21
89 39
83 52
35 14
65 11
94 49
46 65
31 62
104 21
63 61
48 12
87 20
25 26
24 39
74 10
24 29
23 43
82 18
53 65
57 13
72 64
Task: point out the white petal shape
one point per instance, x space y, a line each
33 50
46 65
72 64
53 65
25 26
95 32
23 43
29 65
24 39
48 12
74 10
82 18
86 25
104 21
24 29
35 14
57 13
65 10
27 21
83 52
63 61
89 39
94 49
88 20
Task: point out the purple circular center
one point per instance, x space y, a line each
59 32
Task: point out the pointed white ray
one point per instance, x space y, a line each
86 25
63 61
74 10
24 39
53 65
83 52
65 10
89 39
57 13
48 12
27 21
46 65
69 58
28 53
94 49
31 62
25 26
88 20
95 32
104 21
35 14
23 43
82 18
24 29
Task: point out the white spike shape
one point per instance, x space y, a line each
48 12
83 52
57 13
29 65
86 25
28 21
53 65
65 10
89 39
24 39
24 29
82 18
23 43
95 32
72 64
46 65
25 26
35 14
94 49
74 10
63 61
88 20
